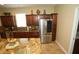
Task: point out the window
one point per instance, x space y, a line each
21 20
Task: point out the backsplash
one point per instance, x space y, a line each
28 28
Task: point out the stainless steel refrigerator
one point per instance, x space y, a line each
44 27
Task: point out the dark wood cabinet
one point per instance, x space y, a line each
35 20
34 34
2 32
7 21
31 20
3 35
54 25
20 34
25 34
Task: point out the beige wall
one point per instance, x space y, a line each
27 10
64 24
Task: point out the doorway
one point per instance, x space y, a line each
73 40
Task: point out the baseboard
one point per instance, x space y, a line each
61 47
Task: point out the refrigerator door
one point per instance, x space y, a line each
43 26
43 39
46 38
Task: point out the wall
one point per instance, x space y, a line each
65 24
49 9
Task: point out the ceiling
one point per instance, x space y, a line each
24 5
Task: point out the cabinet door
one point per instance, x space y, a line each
29 20
32 20
33 34
7 21
20 34
35 20
54 25
3 35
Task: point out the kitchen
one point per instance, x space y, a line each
29 26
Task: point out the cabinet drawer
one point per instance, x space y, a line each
26 34
20 34
3 35
34 34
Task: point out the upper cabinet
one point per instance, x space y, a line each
54 17
45 16
34 19
31 20
7 21
54 25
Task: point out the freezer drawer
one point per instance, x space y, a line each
46 38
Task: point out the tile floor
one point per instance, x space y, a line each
31 46
51 48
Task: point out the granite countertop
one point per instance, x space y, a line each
21 29
25 30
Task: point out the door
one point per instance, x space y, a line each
76 44
76 47
35 20
29 20
74 37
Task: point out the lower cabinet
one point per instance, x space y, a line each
25 34
20 34
3 35
33 34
